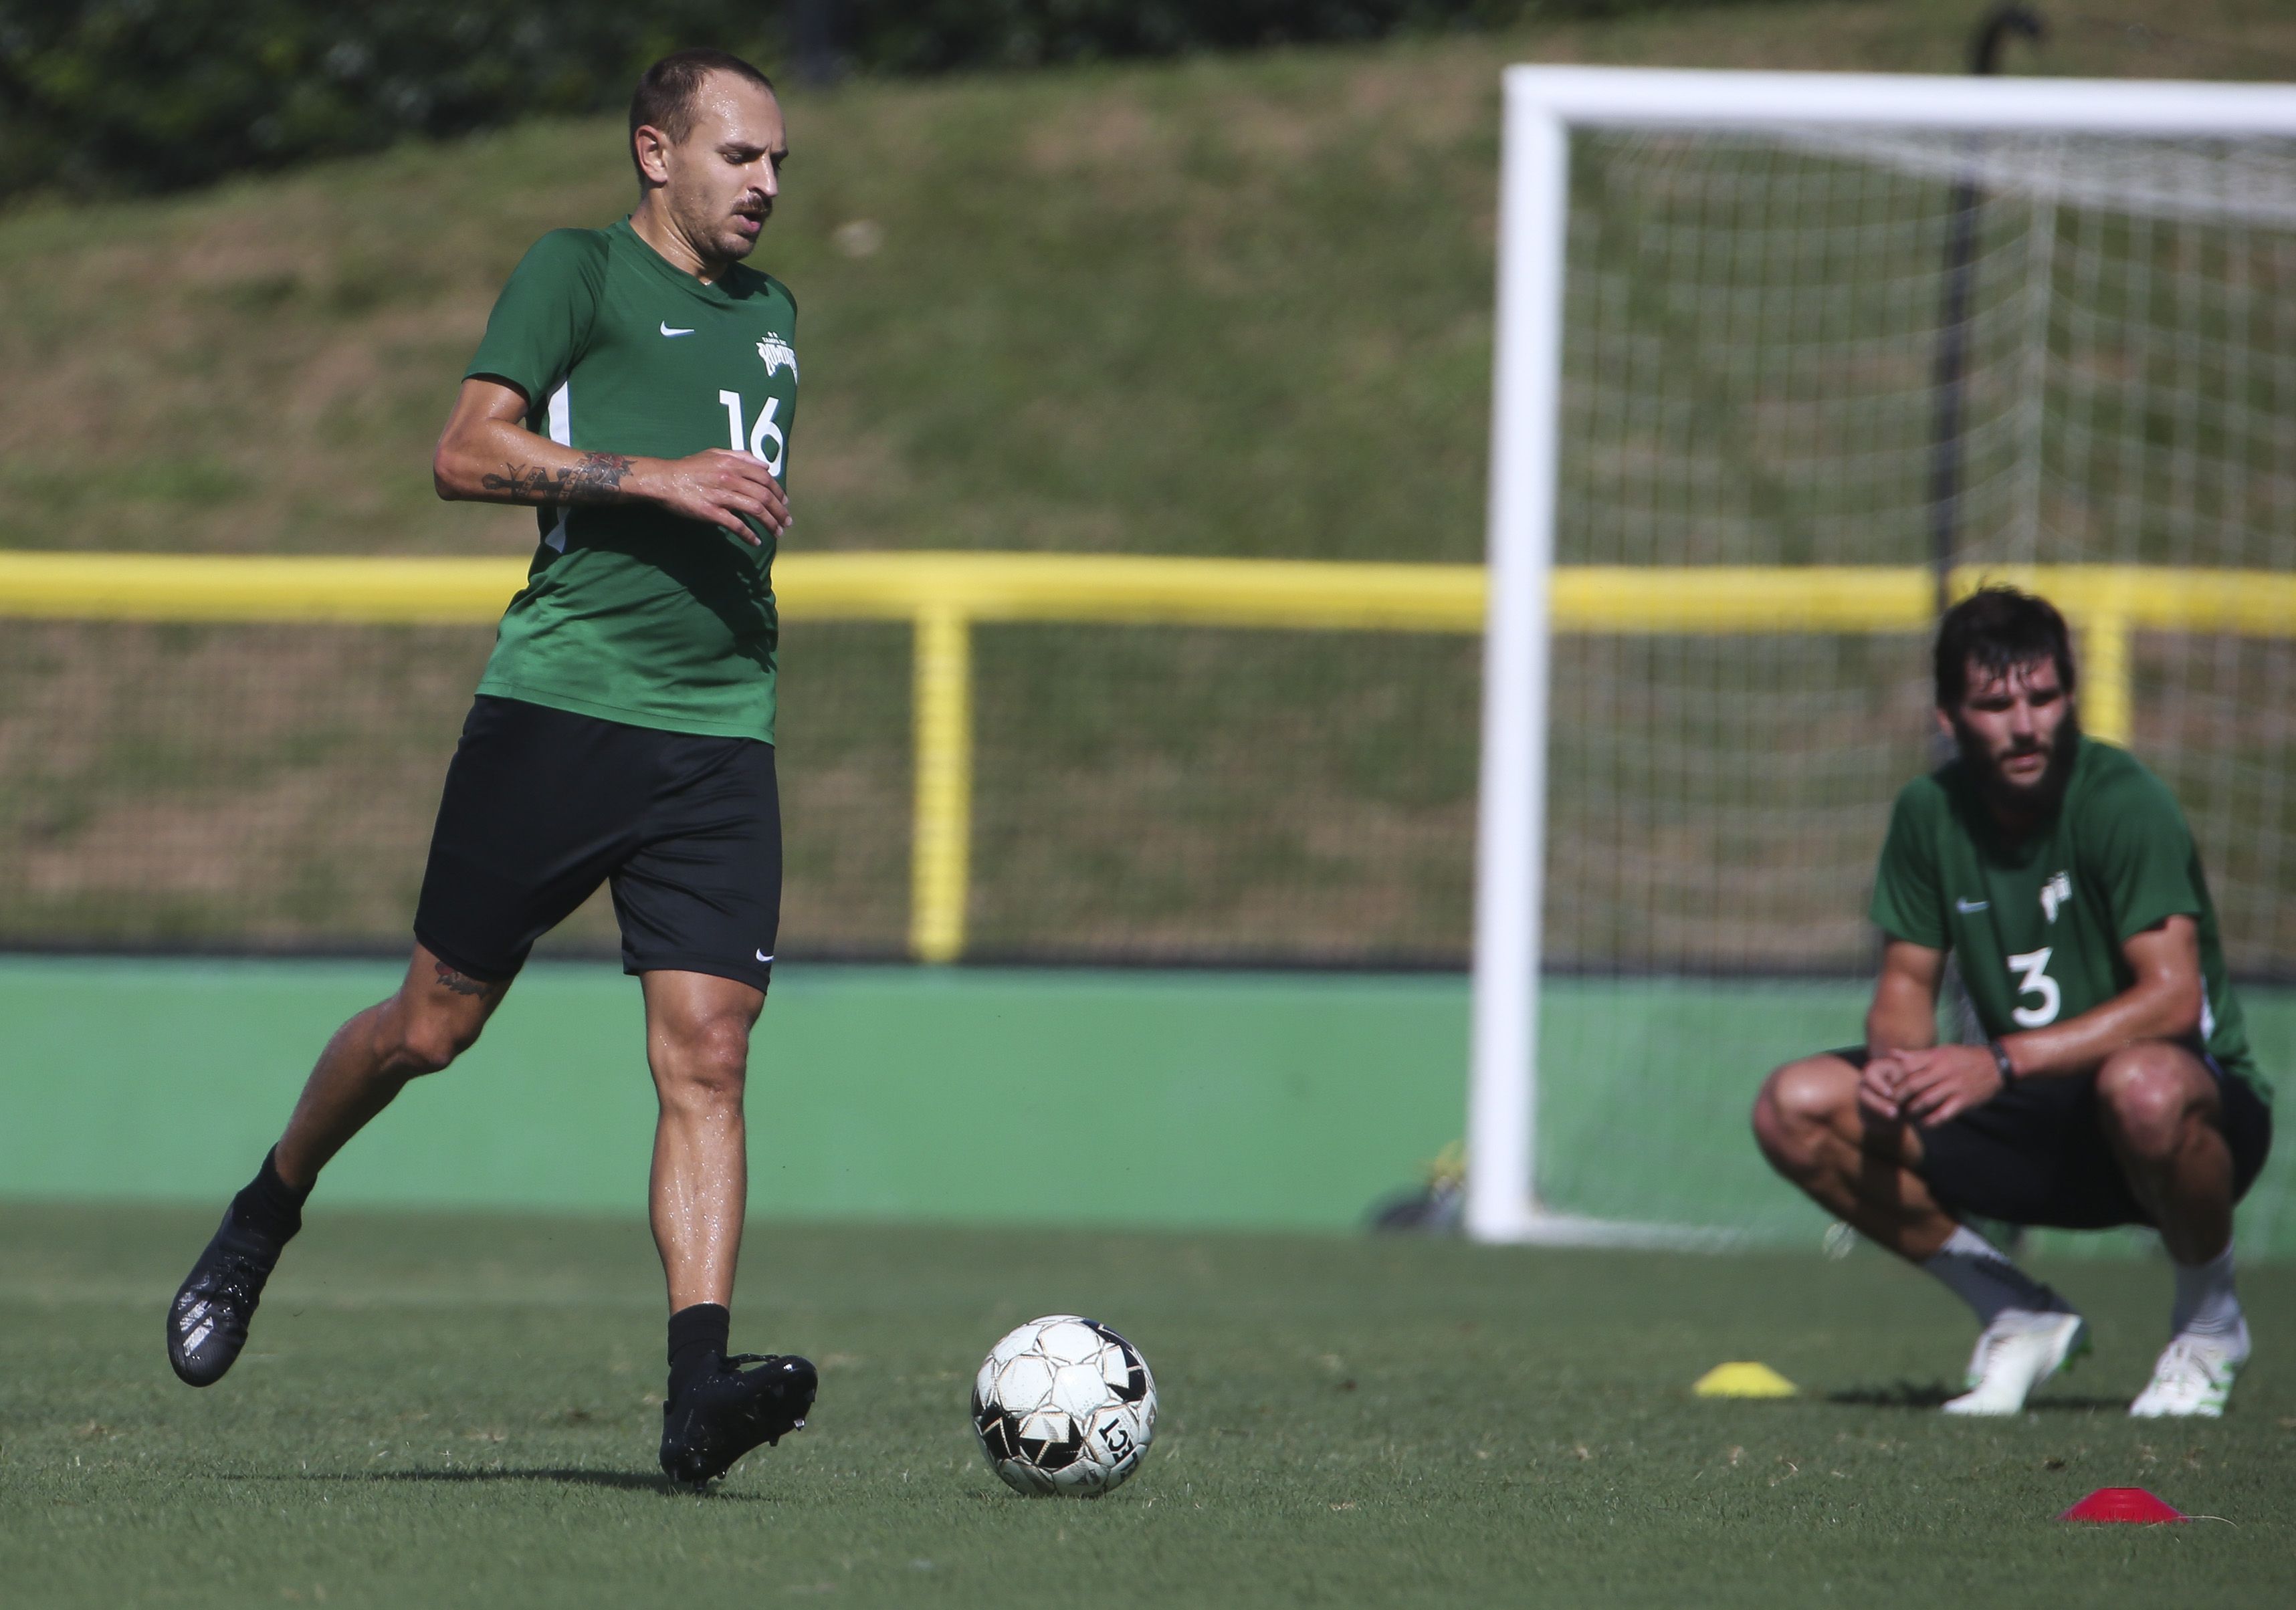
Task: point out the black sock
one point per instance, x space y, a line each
697 1343
269 1210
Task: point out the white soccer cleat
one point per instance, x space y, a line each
2018 1352
2193 1377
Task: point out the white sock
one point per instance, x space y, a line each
1989 1282
2207 1305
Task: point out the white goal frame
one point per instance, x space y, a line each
1542 106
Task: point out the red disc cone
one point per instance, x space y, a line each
2124 1504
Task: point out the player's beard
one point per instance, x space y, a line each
2041 801
710 224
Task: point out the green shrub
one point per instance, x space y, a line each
932 35
152 95
160 94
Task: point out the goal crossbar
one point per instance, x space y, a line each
1677 98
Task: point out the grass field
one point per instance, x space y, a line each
459 1412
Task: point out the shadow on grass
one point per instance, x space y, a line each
625 1481
1931 1394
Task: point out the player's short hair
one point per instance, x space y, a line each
1998 628
666 91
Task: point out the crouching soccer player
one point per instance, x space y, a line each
2115 1085
637 384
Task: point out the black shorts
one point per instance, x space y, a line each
2036 1153
543 806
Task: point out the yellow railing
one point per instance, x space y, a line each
943 594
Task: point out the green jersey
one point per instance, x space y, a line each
630 612
2039 922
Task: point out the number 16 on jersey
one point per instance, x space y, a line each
763 432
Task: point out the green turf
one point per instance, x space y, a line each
457 1411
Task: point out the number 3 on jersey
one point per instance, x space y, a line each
764 431
2032 970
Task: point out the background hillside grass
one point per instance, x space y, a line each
1233 305
1227 305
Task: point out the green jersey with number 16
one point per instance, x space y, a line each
632 613
2039 922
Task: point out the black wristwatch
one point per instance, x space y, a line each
2001 1061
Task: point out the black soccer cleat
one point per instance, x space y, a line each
208 1324
721 1417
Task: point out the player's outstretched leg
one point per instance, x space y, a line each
2163 1113
1861 1169
435 1014
207 1326
698 1042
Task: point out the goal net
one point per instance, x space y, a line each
1781 360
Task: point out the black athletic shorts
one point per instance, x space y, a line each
2036 1154
543 806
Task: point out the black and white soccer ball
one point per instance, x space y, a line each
1063 1404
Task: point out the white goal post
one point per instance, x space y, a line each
1546 111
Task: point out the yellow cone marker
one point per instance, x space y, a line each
1743 1380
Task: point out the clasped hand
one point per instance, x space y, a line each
1925 1087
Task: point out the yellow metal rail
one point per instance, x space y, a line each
942 595
940 833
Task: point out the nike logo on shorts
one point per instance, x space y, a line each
1966 906
763 957
666 329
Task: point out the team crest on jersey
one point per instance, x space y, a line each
2055 892
776 352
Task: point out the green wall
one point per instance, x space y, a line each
875 1092
1114 1097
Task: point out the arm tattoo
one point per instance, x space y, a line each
462 984
596 479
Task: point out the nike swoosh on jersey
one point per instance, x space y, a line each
1967 906
666 329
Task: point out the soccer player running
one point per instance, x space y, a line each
2115 1085
637 385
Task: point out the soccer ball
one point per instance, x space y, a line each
1064 1404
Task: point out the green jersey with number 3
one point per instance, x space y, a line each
630 612
2038 923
